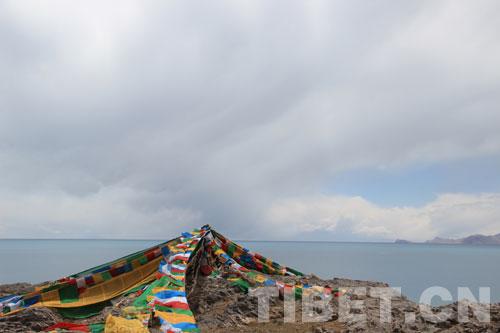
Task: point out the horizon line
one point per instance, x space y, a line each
237 240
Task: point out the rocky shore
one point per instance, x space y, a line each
220 307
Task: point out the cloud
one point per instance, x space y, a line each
221 109
450 215
109 213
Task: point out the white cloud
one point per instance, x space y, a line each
108 213
450 215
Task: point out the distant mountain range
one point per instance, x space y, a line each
470 240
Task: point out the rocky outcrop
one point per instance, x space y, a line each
15 288
220 307
29 320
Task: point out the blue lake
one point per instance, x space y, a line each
413 267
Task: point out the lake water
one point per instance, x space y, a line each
413 267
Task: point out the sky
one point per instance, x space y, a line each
270 120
